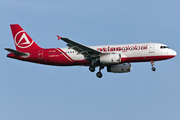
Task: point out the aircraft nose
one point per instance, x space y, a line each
173 53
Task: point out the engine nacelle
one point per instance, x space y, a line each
110 58
120 68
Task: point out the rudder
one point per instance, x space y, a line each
22 40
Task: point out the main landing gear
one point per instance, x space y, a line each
152 64
92 68
98 74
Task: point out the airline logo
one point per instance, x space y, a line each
22 40
123 49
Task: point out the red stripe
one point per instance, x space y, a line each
146 58
65 54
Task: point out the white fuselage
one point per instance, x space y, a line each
128 50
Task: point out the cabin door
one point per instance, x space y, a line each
40 54
151 48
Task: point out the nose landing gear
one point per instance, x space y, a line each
152 64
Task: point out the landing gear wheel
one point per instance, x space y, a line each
153 69
92 68
152 64
99 74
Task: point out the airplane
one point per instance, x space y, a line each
117 58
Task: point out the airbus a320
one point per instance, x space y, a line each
116 58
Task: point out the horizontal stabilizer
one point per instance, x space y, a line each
17 53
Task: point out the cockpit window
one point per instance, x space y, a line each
162 47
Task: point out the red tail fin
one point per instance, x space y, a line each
22 40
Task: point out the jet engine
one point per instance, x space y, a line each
120 68
110 58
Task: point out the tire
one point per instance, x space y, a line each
153 69
99 74
91 68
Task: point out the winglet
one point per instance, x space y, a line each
59 37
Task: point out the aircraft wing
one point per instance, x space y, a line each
81 49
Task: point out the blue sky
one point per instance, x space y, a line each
32 91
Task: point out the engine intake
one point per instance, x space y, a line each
120 68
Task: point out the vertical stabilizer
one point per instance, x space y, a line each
22 40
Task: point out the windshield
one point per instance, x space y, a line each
162 47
